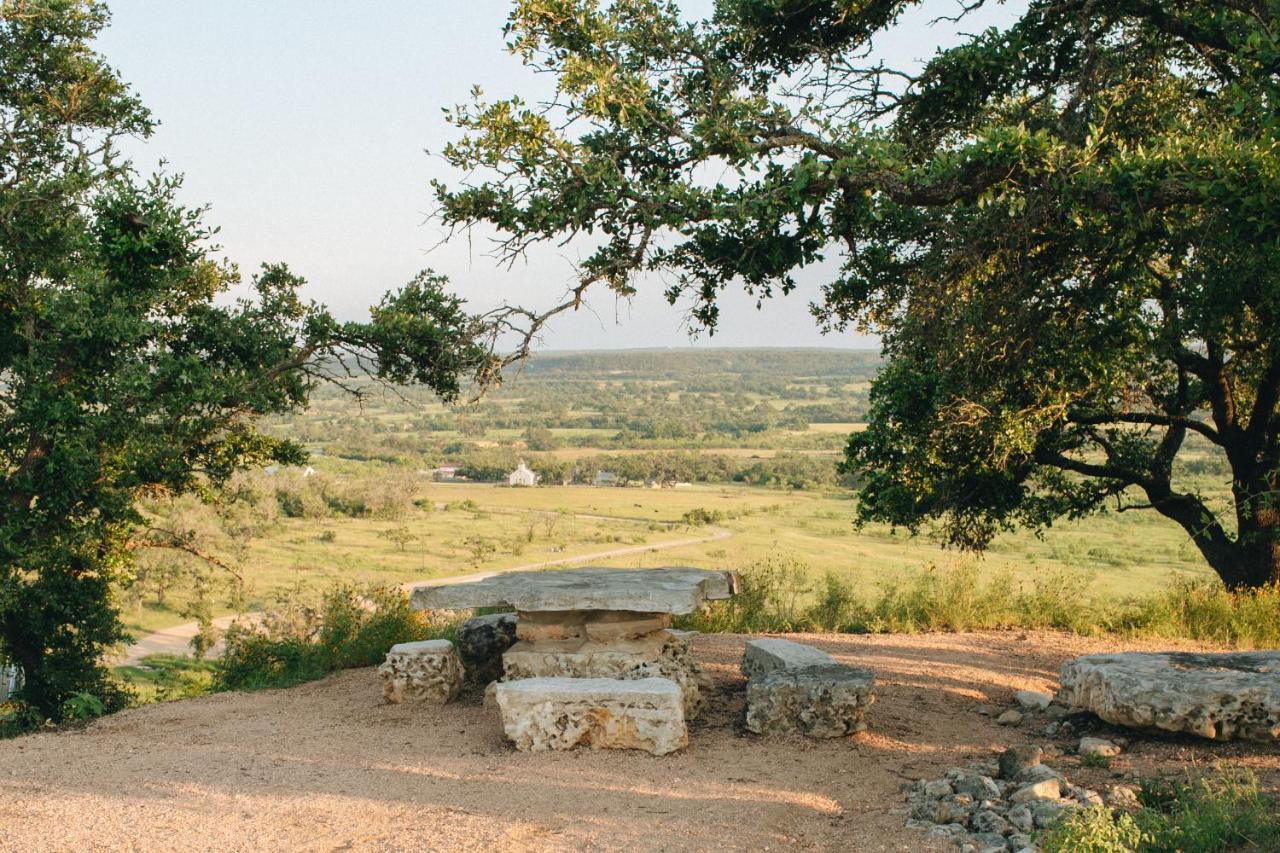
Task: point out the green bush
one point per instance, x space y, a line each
1223 811
352 626
1092 830
160 678
769 599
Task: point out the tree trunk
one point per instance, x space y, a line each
1258 541
1249 560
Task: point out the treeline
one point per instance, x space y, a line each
663 468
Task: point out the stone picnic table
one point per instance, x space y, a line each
593 622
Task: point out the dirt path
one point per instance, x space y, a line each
328 766
176 640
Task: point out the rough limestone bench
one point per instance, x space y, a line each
764 656
794 688
1222 696
427 670
594 623
601 713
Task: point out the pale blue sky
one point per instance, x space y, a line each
304 123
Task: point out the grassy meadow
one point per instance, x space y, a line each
738 448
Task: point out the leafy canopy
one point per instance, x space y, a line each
126 368
1065 230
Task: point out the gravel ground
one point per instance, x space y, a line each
328 766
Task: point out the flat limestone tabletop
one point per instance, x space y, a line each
671 590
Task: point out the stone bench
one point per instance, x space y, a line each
601 713
428 670
764 656
1220 696
819 701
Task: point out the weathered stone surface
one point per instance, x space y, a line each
766 655
673 590
1010 717
1046 789
428 670
481 642
601 713
599 625
660 654
579 658
1013 762
1033 700
822 701
1098 746
1216 696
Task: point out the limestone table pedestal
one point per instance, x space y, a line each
594 623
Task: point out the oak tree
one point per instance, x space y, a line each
126 370
1066 231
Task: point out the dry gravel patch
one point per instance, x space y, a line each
328 766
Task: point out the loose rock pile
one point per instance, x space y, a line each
996 806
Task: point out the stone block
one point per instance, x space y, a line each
428 670
669 590
654 655
606 625
1033 700
1046 789
1224 696
598 625
601 713
766 655
823 701
1098 746
481 642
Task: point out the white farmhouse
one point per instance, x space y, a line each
522 476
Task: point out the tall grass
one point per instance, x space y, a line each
777 596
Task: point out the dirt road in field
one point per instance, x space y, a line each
329 766
177 640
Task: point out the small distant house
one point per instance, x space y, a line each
522 476
448 471
605 478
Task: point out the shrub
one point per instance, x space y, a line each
769 597
1092 830
351 627
1223 811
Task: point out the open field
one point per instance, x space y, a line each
328 766
493 528
752 437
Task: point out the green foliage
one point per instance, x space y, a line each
1204 814
777 596
1093 830
1208 612
1063 230
124 372
351 627
160 678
